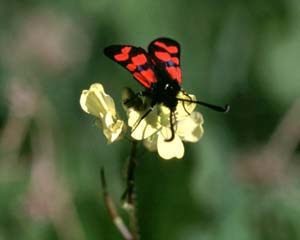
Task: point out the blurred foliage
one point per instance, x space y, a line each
241 181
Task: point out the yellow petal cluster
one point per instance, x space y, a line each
154 128
96 102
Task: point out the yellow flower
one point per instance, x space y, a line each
154 127
96 102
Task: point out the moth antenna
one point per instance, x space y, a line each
224 109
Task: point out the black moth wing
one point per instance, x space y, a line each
165 55
136 60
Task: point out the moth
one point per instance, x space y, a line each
158 71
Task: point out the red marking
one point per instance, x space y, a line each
164 56
149 75
124 55
172 71
131 67
175 60
171 49
139 59
175 73
142 79
179 79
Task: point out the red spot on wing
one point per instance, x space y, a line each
175 60
179 79
172 71
163 56
142 80
175 73
124 55
139 59
170 49
149 75
131 67
145 77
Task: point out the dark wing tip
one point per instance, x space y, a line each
111 50
165 39
168 41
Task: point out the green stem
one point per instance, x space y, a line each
129 195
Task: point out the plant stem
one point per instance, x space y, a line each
112 210
129 195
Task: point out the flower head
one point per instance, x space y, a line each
96 102
154 128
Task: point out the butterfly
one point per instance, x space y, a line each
158 71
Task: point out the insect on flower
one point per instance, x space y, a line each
158 70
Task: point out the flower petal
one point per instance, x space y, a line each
184 108
191 128
168 150
151 143
143 126
143 130
113 131
96 102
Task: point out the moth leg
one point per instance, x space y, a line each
172 126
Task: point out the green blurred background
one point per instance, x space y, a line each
240 181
